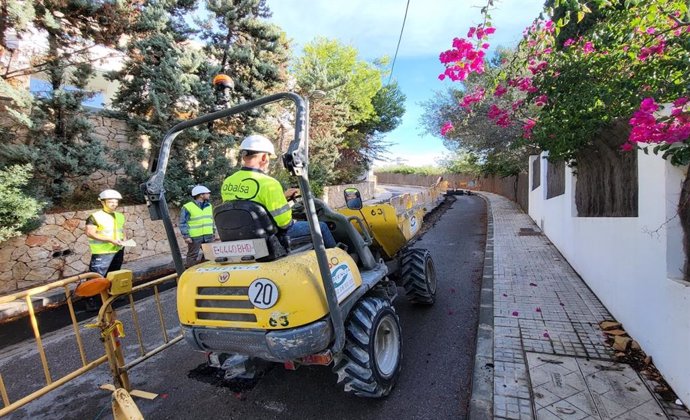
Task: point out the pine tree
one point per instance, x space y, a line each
59 144
252 51
156 84
166 80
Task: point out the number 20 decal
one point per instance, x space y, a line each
263 293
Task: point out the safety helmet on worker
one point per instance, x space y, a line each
109 194
200 189
258 143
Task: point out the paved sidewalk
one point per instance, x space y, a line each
540 351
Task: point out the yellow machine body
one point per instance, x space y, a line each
390 228
217 295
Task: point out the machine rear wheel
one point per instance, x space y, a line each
419 276
370 362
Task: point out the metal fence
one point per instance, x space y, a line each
109 330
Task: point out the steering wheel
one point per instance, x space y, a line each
297 207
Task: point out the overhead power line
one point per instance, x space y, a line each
399 39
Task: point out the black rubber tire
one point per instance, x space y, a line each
365 368
418 276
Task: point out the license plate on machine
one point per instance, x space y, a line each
236 250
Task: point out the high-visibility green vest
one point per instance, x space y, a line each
111 225
252 184
200 220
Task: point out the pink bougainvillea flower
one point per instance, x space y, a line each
588 48
494 111
485 45
647 52
448 126
500 91
527 133
680 101
649 105
471 32
568 42
472 98
651 31
627 147
537 67
503 121
541 100
489 31
646 128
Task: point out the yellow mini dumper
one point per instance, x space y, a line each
264 297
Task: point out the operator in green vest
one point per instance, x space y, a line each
252 183
105 230
196 222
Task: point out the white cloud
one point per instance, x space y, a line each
373 27
411 159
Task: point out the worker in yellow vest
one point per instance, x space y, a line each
196 222
253 183
105 230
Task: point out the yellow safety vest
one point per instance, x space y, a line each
200 220
252 184
111 225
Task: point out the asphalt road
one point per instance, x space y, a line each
435 381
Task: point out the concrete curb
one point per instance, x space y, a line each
482 397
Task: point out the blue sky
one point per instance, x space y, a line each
373 28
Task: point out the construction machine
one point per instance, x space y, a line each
264 297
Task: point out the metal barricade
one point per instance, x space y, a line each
111 330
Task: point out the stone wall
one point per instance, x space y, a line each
60 248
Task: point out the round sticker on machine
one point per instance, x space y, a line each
263 293
343 280
413 224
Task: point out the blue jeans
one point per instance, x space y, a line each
301 228
104 263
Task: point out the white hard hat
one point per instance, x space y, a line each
258 143
109 194
199 189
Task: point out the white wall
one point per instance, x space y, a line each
633 264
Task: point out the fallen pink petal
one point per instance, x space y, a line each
515 313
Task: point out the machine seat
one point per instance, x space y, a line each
243 219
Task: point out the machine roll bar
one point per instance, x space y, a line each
295 160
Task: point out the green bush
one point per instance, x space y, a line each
18 211
412 170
